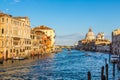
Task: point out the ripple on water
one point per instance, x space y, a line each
65 65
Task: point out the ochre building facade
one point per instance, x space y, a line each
14 35
18 39
41 43
48 32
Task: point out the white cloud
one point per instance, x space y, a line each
7 9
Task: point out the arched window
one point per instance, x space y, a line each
2 31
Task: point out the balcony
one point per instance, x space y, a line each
16 46
16 36
27 45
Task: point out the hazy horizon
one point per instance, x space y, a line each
73 38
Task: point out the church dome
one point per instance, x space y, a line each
90 35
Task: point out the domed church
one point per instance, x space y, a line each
90 35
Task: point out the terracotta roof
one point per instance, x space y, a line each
43 27
16 18
3 14
21 17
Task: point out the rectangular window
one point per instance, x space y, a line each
31 36
7 20
13 50
20 23
0 43
10 50
11 21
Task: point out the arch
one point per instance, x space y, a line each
2 31
6 54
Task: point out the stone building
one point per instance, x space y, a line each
50 33
116 41
91 43
14 35
41 42
17 39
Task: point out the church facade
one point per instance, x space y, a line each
94 43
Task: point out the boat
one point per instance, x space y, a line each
18 58
1 61
114 58
86 54
118 65
1 58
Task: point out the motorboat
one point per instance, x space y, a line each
114 58
1 61
118 65
69 49
18 58
86 54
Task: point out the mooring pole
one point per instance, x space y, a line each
113 70
109 58
106 71
105 61
102 72
89 75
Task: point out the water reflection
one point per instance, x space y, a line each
65 65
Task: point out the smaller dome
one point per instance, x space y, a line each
100 36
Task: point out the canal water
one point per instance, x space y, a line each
66 65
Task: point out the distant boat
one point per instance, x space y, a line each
118 65
69 49
86 54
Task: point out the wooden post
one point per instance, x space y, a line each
102 72
103 77
113 70
12 61
109 58
119 58
89 75
38 55
33 55
105 61
106 71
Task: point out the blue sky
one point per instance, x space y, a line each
68 17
